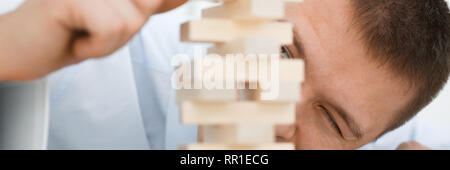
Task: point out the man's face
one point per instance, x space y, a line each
348 99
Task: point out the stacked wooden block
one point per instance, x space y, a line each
241 115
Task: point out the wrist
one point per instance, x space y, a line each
10 36
3 45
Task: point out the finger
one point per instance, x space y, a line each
130 15
170 4
150 7
104 30
200 136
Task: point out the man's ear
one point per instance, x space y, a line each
170 4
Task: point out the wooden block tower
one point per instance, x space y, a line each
242 113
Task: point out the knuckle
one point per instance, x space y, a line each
136 24
117 27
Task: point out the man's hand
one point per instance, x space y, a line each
412 146
45 35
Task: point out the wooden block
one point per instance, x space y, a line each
247 45
292 70
211 30
285 1
270 146
206 95
238 134
247 10
217 95
219 72
289 2
287 92
222 30
248 94
231 113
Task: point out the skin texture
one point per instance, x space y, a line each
170 4
43 36
339 74
412 146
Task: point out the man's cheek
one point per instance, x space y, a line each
312 139
311 133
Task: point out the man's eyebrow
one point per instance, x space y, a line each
298 43
355 128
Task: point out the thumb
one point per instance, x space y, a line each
150 7
170 4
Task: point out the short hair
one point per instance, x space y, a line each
412 38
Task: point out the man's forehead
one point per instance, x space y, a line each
324 24
326 10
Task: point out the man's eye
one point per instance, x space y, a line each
285 53
331 120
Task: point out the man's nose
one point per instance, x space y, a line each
285 133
